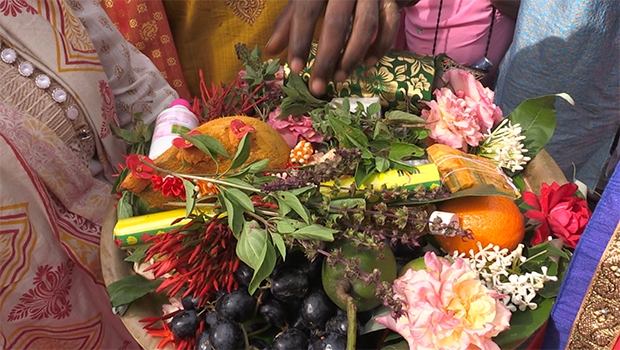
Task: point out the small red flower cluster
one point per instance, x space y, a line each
170 186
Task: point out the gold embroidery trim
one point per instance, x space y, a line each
597 324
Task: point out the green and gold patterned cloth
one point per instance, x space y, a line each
399 79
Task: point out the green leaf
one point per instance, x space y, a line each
124 209
523 324
301 190
537 118
255 249
266 268
243 152
190 198
285 225
138 254
207 144
130 288
382 132
278 241
373 109
314 231
403 117
355 136
251 244
257 166
235 214
382 164
293 202
363 172
119 179
400 150
239 197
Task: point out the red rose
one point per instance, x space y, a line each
560 213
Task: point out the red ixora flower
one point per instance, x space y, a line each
138 168
239 128
560 213
170 186
180 142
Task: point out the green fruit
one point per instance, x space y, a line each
363 295
415 265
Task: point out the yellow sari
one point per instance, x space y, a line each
205 33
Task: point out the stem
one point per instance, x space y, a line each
215 181
245 337
342 288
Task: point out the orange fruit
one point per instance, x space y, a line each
491 219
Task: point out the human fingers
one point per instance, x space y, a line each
281 31
365 27
303 22
336 23
388 28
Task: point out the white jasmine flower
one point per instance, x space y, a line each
504 146
495 268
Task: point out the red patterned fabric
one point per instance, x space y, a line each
144 24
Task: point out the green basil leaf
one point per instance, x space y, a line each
119 179
314 231
243 152
373 109
292 201
239 197
301 190
130 288
266 268
278 241
211 143
198 144
257 166
255 249
251 244
235 214
138 254
401 116
400 150
382 164
190 197
285 225
124 209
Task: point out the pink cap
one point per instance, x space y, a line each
181 102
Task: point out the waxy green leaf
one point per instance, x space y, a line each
130 288
243 152
314 231
293 202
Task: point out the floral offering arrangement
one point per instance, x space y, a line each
286 221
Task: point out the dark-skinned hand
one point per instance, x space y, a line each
346 36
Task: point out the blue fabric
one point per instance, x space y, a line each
585 261
568 46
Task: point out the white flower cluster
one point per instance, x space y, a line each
504 146
496 268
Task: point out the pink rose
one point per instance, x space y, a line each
478 97
560 213
447 307
451 121
294 128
